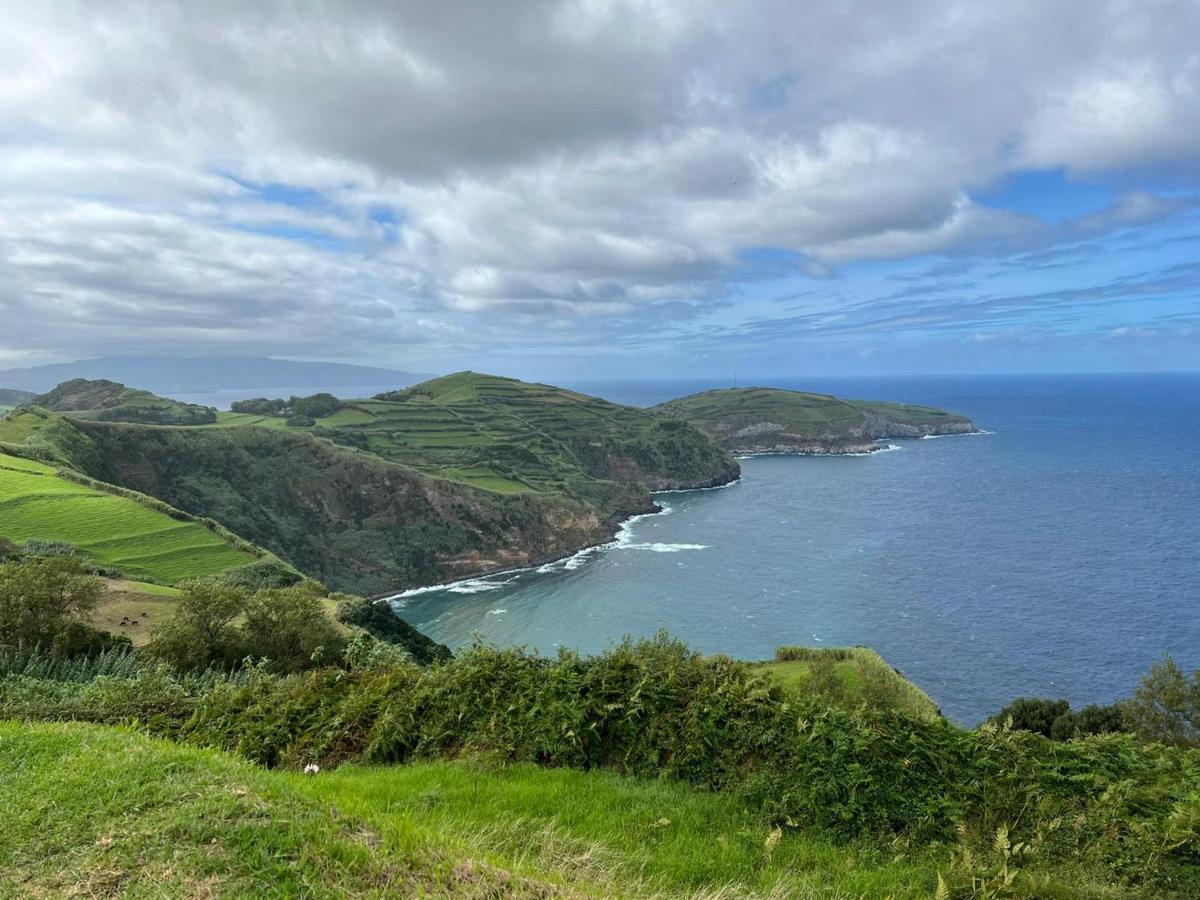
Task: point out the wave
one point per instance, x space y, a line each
930 437
476 587
622 540
715 487
663 548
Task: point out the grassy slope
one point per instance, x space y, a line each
38 503
103 811
864 676
111 401
801 416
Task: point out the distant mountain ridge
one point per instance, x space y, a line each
165 374
10 397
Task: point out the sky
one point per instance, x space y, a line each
603 189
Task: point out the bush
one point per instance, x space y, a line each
300 421
316 406
202 634
1089 720
263 573
1036 714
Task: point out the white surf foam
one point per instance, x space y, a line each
930 437
663 548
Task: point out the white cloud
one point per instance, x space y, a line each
458 163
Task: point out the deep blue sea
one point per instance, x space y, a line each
1058 555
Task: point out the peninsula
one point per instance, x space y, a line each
771 420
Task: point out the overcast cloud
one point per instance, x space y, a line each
425 184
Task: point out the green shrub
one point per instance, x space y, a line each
290 628
263 573
1036 714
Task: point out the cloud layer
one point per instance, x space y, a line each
400 182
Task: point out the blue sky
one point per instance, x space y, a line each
561 189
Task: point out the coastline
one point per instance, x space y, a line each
817 448
620 529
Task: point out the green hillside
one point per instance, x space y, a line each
348 518
111 401
133 535
850 677
749 420
511 436
458 476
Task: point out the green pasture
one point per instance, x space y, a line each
38 504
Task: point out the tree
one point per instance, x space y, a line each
40 598
290 627
1166 705
202 633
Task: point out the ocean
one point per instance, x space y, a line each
1057 555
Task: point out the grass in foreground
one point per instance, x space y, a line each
36 503
100 811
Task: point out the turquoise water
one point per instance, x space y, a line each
1057 556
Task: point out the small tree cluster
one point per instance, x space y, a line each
314 406
1164 708
218 625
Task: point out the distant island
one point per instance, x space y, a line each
771 420
188 374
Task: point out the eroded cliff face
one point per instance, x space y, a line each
350 519
880 426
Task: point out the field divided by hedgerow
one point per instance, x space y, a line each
36 503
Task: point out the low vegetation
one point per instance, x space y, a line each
808 785
991 809
1164 708
53 604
